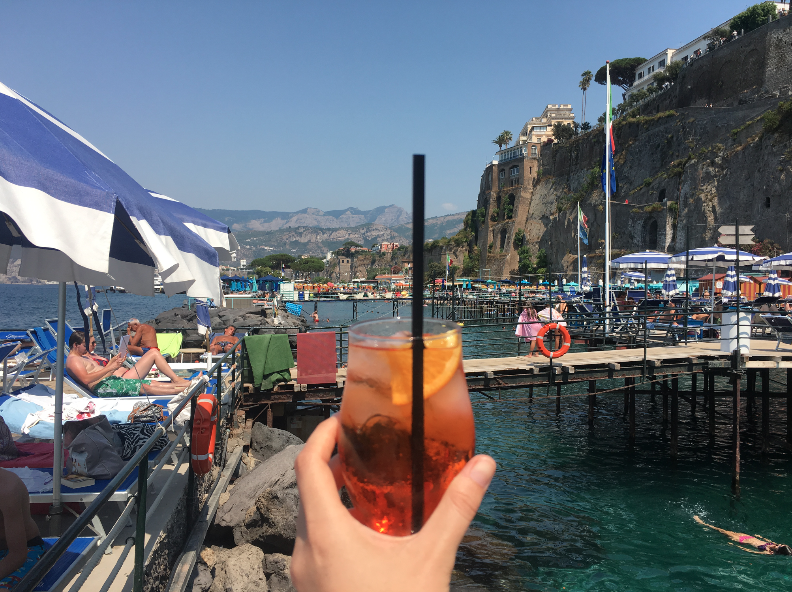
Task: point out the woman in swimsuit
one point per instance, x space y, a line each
763 546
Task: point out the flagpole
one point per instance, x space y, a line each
578 245
607 193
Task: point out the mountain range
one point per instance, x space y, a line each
311 217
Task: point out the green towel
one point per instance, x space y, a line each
169 343
270 359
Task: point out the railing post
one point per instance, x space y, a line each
140 530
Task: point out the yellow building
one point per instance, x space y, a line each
540 129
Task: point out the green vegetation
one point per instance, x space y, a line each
622 72
320 279
654 207
275 261
736 131
503 139
433 271
373 272
585 126
670 74
471 262
584 84
519 238
673 208
591 182
717 34
563 132
489 247
508 208
779 119
527 265
753 17
494 215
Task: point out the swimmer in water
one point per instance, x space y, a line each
763 546
315 317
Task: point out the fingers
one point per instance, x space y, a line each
335 467
315 479
459 505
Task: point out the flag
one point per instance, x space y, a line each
582 226
609 141
613 185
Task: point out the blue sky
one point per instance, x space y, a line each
286 105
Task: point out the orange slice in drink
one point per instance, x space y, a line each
442 355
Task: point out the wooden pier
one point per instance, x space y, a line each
655 374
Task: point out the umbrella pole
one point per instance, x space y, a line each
57 468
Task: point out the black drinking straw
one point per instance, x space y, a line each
417 440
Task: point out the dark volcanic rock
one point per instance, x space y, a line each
253 320
262 507
278 570
240 569
267 442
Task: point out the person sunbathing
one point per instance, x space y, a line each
21 545
113 380
144 338
763 546
222 343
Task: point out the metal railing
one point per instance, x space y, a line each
140 462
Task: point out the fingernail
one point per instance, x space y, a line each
483 470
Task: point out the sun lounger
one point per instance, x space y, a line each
782 326
68 565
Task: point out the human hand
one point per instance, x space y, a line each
116 361
336 553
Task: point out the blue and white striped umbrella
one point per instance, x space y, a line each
772 287
730 283
633 275
213 232
585 281
669 282
652 259
72 214
708 255
781 262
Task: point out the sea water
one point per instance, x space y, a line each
573 508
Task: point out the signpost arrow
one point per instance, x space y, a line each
730 228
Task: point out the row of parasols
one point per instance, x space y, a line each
702 257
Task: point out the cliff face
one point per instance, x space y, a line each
712 149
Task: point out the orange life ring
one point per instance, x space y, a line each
562 350
204 434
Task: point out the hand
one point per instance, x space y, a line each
115 362
334 552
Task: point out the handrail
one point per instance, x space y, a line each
139 461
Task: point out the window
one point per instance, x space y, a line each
533 150
767 202
640 75
540 128
661 196
502 239
514 171
661 63
502 173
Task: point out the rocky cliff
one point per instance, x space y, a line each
714 148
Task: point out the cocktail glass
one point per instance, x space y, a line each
376 420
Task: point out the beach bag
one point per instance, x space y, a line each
8 449
134 435
144 412
93 448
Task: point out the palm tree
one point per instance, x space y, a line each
585 83
503 139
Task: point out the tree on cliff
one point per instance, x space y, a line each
275 261
504 139
585 83
563 132
754 16
526 264
433 271
622 72
309 265
470 263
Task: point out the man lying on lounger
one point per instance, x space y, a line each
114 381
222 343
144 338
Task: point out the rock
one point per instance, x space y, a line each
201 578
240 569
262 507
278 569
267 442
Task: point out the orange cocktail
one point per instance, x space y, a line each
376 419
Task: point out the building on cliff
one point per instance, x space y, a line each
506 188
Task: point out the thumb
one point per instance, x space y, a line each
449 522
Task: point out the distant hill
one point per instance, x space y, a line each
260 220
436 227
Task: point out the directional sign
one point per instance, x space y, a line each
730 239
729 229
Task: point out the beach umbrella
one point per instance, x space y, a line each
781 262
652 260
730 283
772 286
73 215
217 234
705 256
633 275
585 281
669 282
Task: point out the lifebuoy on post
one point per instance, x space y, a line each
567 342
204 433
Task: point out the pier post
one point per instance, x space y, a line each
592 400
749 407
711 408
736 435
652 388
765 410
674 415
558 398
693 388
665 399
632 410
626 395
530 392
789 407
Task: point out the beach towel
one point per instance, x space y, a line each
270 359
169 343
